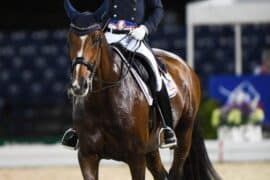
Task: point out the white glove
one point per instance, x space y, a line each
139 32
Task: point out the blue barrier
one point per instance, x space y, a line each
242 88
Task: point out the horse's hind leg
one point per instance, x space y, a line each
137 167
89 166
184 135
155 166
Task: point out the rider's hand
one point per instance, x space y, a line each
139 32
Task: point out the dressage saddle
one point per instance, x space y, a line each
139 64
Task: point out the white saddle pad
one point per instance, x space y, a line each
166 78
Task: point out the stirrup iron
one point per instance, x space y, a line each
173 139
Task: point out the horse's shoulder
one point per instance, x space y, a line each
169 56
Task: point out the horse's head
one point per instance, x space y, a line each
85 38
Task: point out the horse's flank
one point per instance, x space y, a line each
189 94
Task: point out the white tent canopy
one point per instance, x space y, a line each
222 12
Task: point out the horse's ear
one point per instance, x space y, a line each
71 12
79 19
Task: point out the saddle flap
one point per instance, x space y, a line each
142 78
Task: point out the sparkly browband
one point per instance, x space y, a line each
84 30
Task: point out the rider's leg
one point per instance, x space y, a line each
163 105
162 98
70 139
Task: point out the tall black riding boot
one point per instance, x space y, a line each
164 107
70 139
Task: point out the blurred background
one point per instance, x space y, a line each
34 68
227 42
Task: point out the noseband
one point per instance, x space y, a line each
82 61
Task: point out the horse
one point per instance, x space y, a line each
114 121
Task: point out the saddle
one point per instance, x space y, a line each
136 62
142 72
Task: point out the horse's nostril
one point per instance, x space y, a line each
79 88
75 88
85 84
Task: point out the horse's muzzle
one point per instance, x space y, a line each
79 89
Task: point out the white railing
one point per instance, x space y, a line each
56 155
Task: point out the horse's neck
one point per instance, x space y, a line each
116 97
109 64
108 72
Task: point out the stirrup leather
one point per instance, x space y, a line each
173 139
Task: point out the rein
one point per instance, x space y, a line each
111 84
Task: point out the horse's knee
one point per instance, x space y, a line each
176 173
137 167
89 165
155 166
174 177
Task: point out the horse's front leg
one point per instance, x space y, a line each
137 167
89 165
154 164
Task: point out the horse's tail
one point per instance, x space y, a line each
198 165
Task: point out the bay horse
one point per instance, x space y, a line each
114 121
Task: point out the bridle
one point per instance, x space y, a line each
82 61
92 67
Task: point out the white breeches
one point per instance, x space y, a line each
139 47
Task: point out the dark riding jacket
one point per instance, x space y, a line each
146 12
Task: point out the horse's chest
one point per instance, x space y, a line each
111 142
113 129
127 97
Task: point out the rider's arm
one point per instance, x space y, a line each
154 9
102 12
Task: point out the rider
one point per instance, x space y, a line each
138 18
